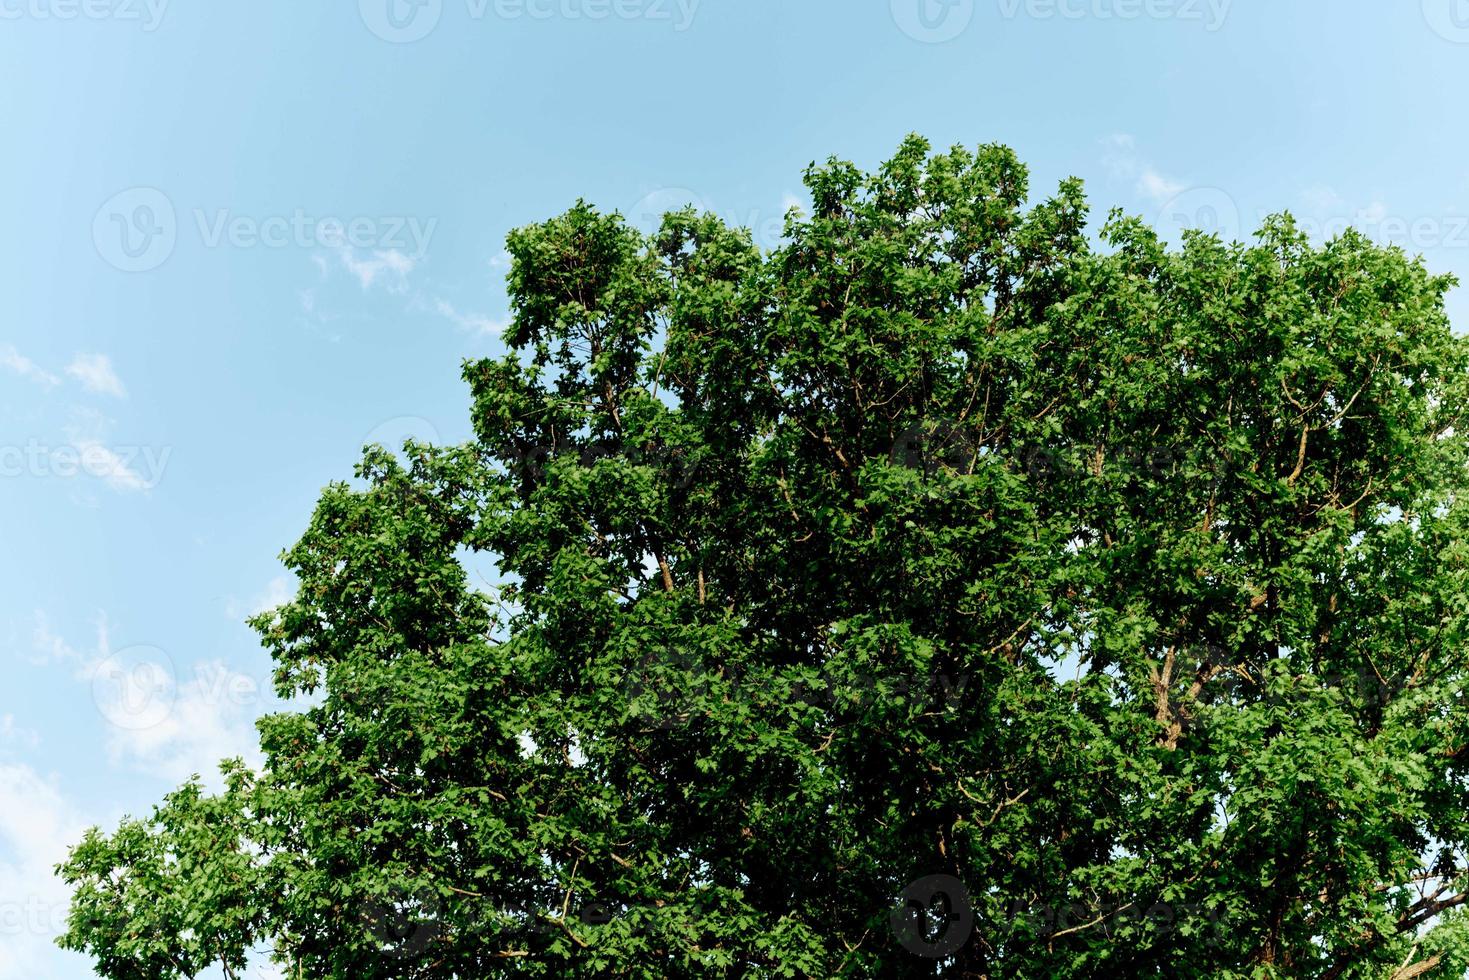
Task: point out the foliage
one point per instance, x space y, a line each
1105 600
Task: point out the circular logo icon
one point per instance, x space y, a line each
935 919
931 449
404 922
1206 209
401 21
1448 18
933 21
647 215
135 230
393 433
664 687
135 689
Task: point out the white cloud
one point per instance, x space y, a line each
12 734
1322 199
16 362
95 373
51 648
209 717
123 467
111 468
279 591
475 323
159 720
1119 155
391 266
1122 160
1159 188
37 828
1373 214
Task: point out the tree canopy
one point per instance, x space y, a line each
951 590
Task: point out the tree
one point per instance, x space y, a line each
943 592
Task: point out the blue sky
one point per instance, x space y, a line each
241 240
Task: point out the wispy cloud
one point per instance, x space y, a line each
390 267
95 373
37 827
12 734
17 363
210 717
1374 213
158 720
1160 189
112 468
1322 199
1123 161
475 323
123 468
279 591
1119 155
50 648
